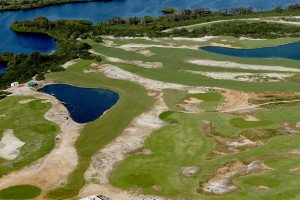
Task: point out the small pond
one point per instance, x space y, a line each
84 104
287 51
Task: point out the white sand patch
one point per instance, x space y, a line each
247 77
10 145
26 101
133 62
233 65
115 193
69 63
220 182
189 171
201 39
245 142
220 44
250 118
247 38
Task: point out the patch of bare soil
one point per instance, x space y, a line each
234 65
50 171
69 63
246 77
140 50
226 145
25 101
237 101
220 44
297 169
149 65
115 193
221 181
190 105
250 118
189 171
262 189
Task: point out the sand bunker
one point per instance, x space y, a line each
247 77
26 101
10 145
233 65
220 182
69 63
189 171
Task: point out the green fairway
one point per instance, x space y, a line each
20 192
29 125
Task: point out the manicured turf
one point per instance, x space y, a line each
20 192
95 135
30 126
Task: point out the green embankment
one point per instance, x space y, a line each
95 135
29 125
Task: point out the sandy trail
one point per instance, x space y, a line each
234 65
49 171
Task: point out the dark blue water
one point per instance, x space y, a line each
288 51
84 104
100 11
2 68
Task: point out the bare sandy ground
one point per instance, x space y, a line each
69 63
115 193
10 145
247 77
133 62
233 65
51 170
220 182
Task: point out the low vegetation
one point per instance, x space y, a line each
20 192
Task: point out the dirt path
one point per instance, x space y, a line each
51 170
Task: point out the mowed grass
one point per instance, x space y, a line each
183 143
20 192
29 125
95 135
175 65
